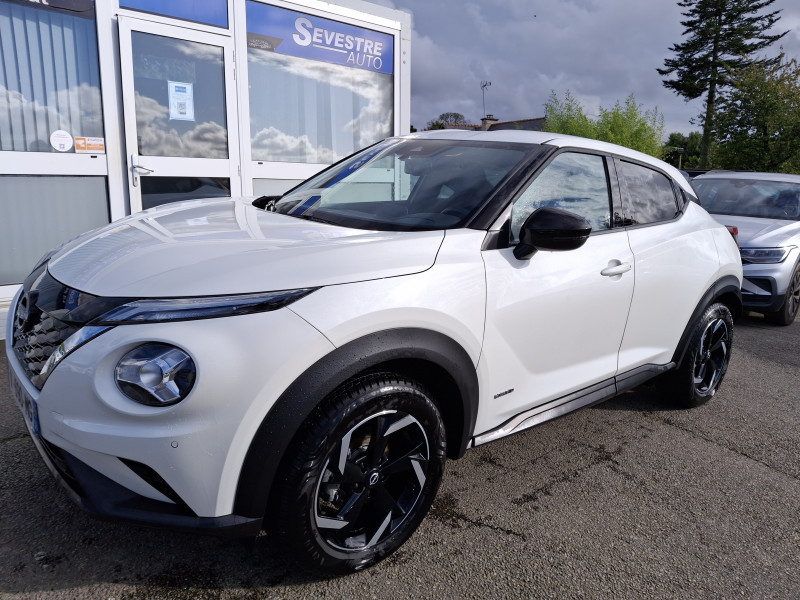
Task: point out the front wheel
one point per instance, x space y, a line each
363 474
788 311
700 373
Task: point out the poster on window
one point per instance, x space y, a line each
181 101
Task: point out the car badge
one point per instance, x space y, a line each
26 311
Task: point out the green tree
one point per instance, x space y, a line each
690 144
720 36
445 119
567 117
758 126
627 125
624 124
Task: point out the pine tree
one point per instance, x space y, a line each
758 126
720 36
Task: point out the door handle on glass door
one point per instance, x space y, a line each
137 169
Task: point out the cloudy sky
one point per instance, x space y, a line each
599 50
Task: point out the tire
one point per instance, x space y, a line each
349 497
791 302
700 373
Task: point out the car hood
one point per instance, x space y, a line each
217 247
755 232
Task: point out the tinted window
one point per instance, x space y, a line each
573 182
749 198
650 195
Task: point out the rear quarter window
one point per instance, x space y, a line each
650 196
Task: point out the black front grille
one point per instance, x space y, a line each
36 337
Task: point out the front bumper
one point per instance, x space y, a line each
101 497
760 294
764 285
176 466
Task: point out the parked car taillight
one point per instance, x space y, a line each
734 231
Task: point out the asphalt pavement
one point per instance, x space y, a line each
633 498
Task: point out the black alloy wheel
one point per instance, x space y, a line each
362 473
705 361
712 356
371 481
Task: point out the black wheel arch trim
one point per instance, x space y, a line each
726 290
396 349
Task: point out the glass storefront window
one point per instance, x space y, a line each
179 89
211 12
319 89
49 78
39 213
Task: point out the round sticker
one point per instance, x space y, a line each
61 140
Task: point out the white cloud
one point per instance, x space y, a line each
273 144
158 137
346 89
28 123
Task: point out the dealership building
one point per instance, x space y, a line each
110 107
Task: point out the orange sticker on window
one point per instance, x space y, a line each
90 145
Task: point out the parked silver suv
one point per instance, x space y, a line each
766 209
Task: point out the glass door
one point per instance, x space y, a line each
179 107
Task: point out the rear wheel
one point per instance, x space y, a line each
705 362
791 302
363 474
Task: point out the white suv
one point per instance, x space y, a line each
305 363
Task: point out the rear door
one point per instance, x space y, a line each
675 260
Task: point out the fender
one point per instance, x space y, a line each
727 286
429 356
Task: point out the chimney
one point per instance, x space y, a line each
488 121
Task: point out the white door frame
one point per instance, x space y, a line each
163 166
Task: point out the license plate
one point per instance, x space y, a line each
25 402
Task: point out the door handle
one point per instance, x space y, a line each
615 268
136 170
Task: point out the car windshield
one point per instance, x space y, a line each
749 197
407 185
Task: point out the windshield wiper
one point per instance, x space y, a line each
315 219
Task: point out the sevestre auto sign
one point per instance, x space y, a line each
308 36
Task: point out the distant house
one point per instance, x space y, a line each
536 124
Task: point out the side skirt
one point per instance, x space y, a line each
566 404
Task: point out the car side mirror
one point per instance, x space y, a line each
549 228
263 202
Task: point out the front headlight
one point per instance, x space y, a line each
764 255
156 374
161 310
101 314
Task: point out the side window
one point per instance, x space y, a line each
650 195
574 182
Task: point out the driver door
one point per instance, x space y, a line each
555 322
